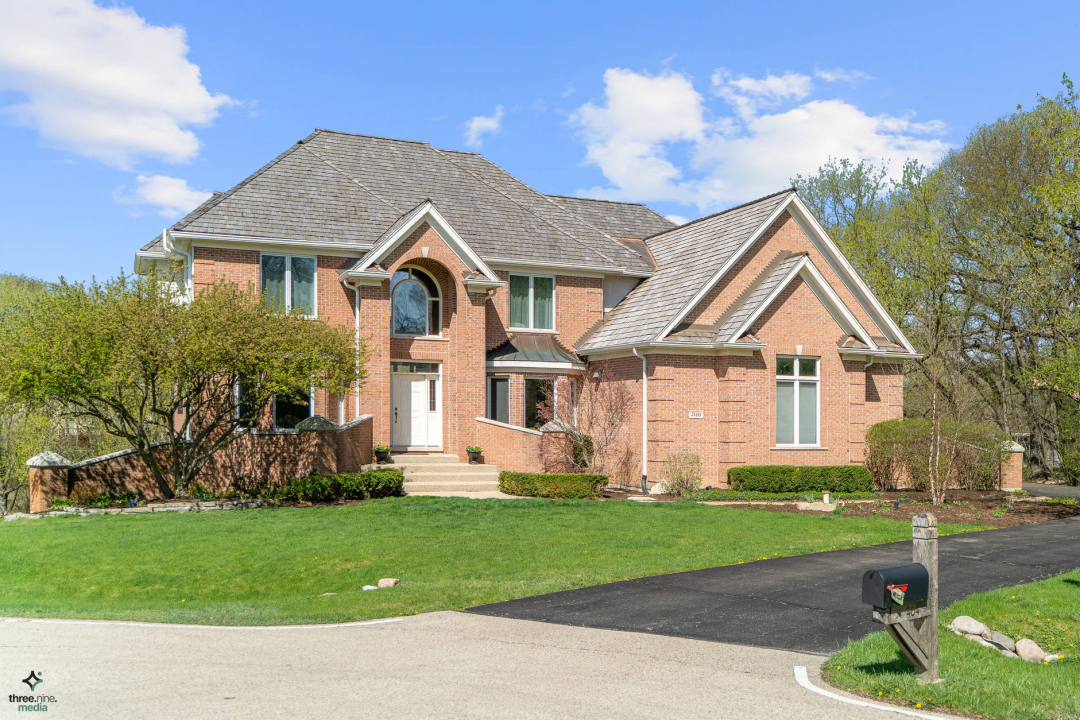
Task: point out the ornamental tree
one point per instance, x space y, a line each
154 367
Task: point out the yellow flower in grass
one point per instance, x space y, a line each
918 705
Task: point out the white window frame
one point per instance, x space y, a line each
798 380
427 304
288 279
532 304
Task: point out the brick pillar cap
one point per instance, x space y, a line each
48 459
1014 446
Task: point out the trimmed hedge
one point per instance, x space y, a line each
345 486
552 485
794 479
898 450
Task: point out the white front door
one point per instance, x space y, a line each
416 411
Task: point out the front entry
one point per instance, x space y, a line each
415 406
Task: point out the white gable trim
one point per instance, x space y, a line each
828 297
430 214
827 248
847 273
700 294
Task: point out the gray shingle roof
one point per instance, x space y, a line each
686 258
336 187
621 220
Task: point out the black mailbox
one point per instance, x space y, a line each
896 586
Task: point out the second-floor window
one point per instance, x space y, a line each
532 302
416 303
288 282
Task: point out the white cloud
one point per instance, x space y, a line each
774 131
677 219
478 126
102 82
170 197
841 75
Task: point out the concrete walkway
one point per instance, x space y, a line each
806 603
441 665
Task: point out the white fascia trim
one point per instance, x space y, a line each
344 249
878 310
554 267
350 277
556 367
747 244
496 423
430 214
813 277
880 356
672 348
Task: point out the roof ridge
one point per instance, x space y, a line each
724 212
569 234
351 178
374 137
576 197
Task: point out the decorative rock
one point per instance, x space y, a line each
1001 640
1051 658
326 594
1029 650
1009 653
370 587
389 582
979 639
657 489
969 626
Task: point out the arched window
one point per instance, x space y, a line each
415 303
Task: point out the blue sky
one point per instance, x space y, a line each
118 118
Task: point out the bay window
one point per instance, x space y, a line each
532 302
797 383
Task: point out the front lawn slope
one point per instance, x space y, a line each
275 566
979 680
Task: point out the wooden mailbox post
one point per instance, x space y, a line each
905 599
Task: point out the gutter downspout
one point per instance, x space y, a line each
644 421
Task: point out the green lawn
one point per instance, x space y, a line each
978 679
274 565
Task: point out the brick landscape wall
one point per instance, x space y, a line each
261 458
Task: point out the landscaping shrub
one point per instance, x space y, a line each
794 479
344 486
681 472
898 449
84 497
552 485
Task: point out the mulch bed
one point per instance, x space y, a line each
963 507
970 507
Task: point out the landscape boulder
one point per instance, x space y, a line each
1029 650
389 582
1001 640
966 625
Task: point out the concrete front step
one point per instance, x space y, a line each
476 471
442 486
424 459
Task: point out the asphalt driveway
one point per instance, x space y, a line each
1052 490
807 603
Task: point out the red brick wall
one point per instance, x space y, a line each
269 458
508 448
784 234
579 304
1012 471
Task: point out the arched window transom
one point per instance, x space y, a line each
415 303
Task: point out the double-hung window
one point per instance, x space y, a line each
532 302
288 282
797 383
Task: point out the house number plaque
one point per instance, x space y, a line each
697 414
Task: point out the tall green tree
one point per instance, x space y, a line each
152 366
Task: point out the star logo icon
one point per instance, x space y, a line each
32 680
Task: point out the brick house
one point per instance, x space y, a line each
744 337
